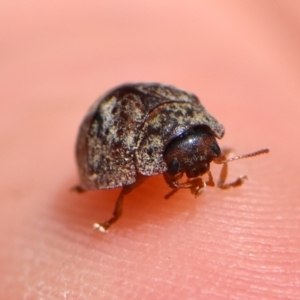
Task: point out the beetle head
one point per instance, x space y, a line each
191 152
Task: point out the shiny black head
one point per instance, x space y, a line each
191 153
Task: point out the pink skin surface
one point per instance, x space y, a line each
241 58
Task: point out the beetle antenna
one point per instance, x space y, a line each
255 153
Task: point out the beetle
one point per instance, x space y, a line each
145 129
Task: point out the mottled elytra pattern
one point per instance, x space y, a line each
126 132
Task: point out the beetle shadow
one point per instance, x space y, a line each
144 206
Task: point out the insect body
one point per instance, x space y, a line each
141 130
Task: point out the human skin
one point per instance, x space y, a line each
242 59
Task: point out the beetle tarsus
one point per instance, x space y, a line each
238 182
223 159
100 227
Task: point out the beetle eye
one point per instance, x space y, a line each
173 167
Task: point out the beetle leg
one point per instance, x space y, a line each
171 193
196 185
224 171
103 227
172 180
223 175
78 188
224 160
210 181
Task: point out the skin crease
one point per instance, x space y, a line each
242 59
